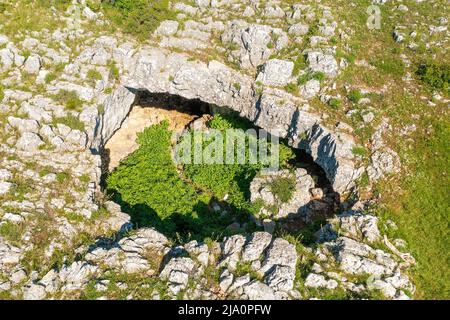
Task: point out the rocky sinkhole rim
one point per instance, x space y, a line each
144 98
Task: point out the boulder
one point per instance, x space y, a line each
324 63
29 142
276 72
281 253
255 247
177 272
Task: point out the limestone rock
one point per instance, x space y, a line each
318 281
280 253
29 141
177 271
325 63
276 72
253 250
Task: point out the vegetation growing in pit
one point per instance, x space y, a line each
231 181
283 188
148 186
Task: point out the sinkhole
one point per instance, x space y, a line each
199 201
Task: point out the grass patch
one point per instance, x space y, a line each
137 17
69 99
12 232
435 75
420 208
71 121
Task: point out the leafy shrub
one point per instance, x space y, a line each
437 76
354 96
138 17
283 188
231 179
149 187
2 94
113 71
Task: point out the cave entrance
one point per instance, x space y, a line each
214 210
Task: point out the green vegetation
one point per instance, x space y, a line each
354 96
69 99
299 64
230 180
421 209
291 88
50 77
12 232
319 76
283 188
390 65
93 76
437 76
359 151
113 71
149 187
335 103
71 121
2 94
137 17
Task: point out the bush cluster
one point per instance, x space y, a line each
137 17
437 76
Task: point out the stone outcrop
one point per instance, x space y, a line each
160 71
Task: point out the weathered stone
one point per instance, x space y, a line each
29 141
280 253
318 281
276 73
167 28
325 63
253 250
256 290
281 278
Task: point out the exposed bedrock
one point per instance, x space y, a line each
161 71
